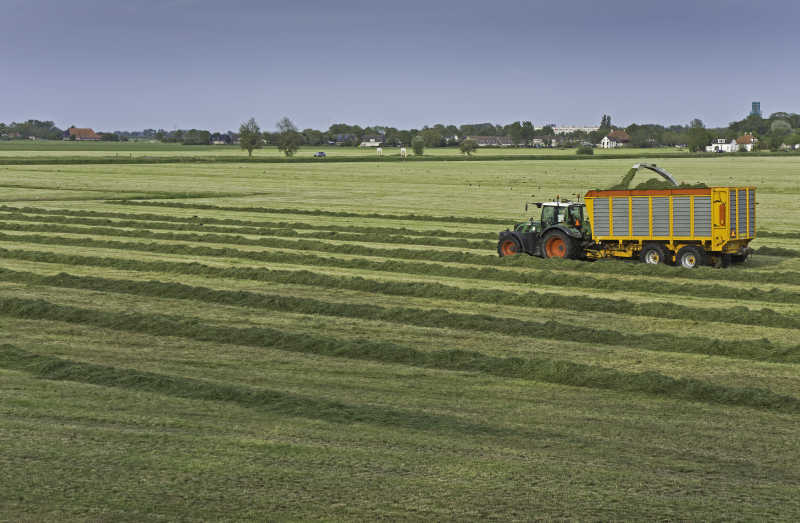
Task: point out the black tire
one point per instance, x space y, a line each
653 254
557 244
690 257
508 246
738 258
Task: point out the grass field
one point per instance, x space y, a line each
47 148
292 342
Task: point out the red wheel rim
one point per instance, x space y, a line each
508 248
556 247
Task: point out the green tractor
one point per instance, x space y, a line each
563 231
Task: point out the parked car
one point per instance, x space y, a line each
319 154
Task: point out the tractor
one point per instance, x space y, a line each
562 231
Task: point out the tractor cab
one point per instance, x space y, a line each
568 214
560 230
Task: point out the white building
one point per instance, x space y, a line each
609 143
721 145
747 141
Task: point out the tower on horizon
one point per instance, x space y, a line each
755 109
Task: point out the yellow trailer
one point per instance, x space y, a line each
691 227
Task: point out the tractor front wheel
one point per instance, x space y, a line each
558 245
508 247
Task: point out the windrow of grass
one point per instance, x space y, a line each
543 277
782 277
276 232
760 349
278 402
544 370
734 315
317 212
382 238
251 223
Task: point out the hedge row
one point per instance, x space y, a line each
201 220
433 269
540 369
284 233
736 315
317 212
706 274
438 318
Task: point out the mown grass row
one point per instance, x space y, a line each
276 232
430 269
541 369
783 277
760 349
735 315
278 402
316 212
252 223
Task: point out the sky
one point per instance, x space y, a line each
126 65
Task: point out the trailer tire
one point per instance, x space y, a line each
691 257
508 246
653 254
556 244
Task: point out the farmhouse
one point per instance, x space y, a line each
614 139
82 134
721 145
746 141
492 141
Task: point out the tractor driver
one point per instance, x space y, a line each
575 217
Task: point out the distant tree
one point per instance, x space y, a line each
468 146
3 130
418 145
196 137
698 137
585 149
605 122
774 141
250 136
527 132
289 139
514 130
780 128
432 137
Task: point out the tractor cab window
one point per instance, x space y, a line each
575 216
549 216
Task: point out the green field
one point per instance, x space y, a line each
311 341
47 148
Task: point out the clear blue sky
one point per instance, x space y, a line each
212 64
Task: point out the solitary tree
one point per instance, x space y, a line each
250 136
698 136
418 145
468 146
605 122
289 139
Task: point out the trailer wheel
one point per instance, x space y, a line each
508 247
653 254
690 257
558 245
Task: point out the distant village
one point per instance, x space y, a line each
779 131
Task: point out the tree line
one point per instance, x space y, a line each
772 132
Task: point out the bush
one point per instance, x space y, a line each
468 146
418 145
585 149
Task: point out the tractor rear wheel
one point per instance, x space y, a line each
653 254
508 247
558 245
690 257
